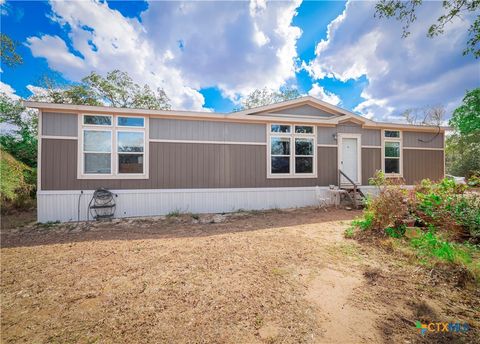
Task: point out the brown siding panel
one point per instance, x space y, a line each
421 164
422 139
327 166
183 165
371 162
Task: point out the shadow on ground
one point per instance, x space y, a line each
183 225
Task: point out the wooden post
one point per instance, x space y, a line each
355 196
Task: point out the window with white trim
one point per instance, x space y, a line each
291 151
112 146
392 152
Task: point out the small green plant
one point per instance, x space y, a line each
474 181
465 209
195 216
395 232
173 213
349 232
378 179
365 222
17 182
48 225
430 245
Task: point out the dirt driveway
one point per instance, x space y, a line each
273 277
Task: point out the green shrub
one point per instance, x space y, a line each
442 204
365 222
349 232
389 208
17 181
173 213
436 204
396 232
429 245
465 209
474 181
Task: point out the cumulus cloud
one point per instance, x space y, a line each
319 92
8 90
237 46
402 73
180 46
56 52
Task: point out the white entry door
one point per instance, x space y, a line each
349 158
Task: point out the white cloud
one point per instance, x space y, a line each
402 73
8 90
319 92
56 52
37 91
180 46
237 46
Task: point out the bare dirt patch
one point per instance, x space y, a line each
279 276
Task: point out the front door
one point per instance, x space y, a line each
349 158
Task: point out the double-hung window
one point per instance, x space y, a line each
291 151
392 152
112 147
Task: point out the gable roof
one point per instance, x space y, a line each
336 111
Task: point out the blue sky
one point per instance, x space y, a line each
208 55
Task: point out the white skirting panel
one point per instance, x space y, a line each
65 206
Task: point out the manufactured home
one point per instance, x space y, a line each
289 154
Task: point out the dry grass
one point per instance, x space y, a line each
250 278
230 287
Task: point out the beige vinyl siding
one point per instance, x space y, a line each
304 110
370 137
59 124
430 140
326 135
173 129
181 166
421 164
371 162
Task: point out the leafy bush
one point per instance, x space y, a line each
474 181
434 203
386 210
390 208
396 232
365 222
429 245
443 204
17 181
465 209
349 232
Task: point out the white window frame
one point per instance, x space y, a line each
102 128
292 136
393 139
129 130
114 129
